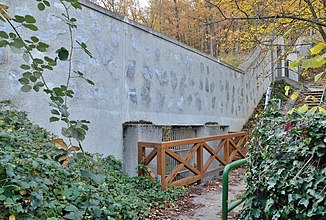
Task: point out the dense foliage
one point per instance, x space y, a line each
33 184
287 168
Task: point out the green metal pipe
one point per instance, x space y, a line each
225 186
235 204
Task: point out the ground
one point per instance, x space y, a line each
204 202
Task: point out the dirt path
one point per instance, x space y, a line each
204 202
211 199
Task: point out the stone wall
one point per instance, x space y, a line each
139 74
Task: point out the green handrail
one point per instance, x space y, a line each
225 188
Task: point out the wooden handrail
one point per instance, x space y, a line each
232 145
168 144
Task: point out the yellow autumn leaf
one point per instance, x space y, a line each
59 143
63 157
3 11
12 217
287 89
313 109
314 99
322 110
4 6
303 109
294 95
319 76
291 111
308 97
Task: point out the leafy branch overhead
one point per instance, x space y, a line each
34 68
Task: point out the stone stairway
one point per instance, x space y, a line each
312 98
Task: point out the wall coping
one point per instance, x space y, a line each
104 11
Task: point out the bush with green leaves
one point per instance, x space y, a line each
287 167
33 184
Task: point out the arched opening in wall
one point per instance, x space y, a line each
172 133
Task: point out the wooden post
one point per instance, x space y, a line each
141 157
200 162
226 151
161 165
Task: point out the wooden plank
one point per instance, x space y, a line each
181 160
200 161
237 148
185 181
141 158
231 158
149 144
214 155
150 157
169 144
226 151
152 175
161 166
178 168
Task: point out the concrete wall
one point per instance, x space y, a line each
139 74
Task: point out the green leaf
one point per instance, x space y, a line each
41 6
15 49
12 35
42 47
36 88
19 19
24 81
63 53
4 35
54 119
25 67
3 43
33 78
40 84
71 208
55 112
76 5
34 39
30 19
3 197
38 61
256 213
17 43
26 57
90 81
31 27
74 215
304 202
46 3
317 48
26 88
84 47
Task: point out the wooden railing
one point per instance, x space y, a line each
232 145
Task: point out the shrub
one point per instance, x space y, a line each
287 168
33 184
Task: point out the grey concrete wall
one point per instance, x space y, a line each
139 74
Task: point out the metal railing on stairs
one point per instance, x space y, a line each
225 188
